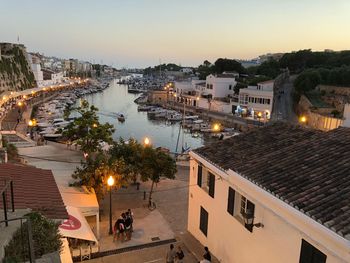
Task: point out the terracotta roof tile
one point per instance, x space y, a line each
34 188
309 170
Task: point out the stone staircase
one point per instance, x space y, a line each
17 139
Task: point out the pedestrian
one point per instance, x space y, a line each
127 226
131 214
119 228
179 255
171 254
207 255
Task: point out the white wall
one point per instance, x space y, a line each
253 92
38 74
183 86
220 86
346 114
278 241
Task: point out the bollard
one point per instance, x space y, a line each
144 195
137 186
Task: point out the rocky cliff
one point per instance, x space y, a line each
15 70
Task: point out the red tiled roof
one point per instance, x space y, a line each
34 188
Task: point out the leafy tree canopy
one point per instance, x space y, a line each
87 131
46 239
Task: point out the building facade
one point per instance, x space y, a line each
220 85
256 101
247 206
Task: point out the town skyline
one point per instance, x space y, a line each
141 34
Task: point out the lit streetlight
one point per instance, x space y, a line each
20 103
303 119
110 183
216 127
94 125
147 141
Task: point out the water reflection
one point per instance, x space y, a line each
116 99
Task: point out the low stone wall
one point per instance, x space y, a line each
334 89
323 123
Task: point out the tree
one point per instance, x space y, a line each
12 151
46 239
307 81
94 174
156 164
131 153
87 131
225 64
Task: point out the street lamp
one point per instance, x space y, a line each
147 141
216 127
110 183
249 221
303 119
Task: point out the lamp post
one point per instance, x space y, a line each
31 124
147 142
110 183
249 221
259 117
303 119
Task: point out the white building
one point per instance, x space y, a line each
220 85
36 68
275 194
257 100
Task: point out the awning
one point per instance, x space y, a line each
76 226
80 198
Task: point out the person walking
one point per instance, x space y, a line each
131 215
171 254
127 226
179 255
207 255
119 228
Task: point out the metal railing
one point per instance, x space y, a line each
30 236
8 184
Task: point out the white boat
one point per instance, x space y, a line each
175 117
48 130
160 115
144 107
62 124
43 124
52 136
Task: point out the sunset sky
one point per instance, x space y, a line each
137 33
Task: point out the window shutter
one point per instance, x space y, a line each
203 224
310 254
199 175
231 201
211 185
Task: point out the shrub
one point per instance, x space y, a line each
46 239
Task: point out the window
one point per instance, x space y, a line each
310 254
203 221
231 201
199 175
230 87
268 101
246 208
211 184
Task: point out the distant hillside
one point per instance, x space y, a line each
15 71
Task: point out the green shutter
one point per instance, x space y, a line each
211 185
199 175
203 224
231 201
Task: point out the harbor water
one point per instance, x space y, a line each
116 99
